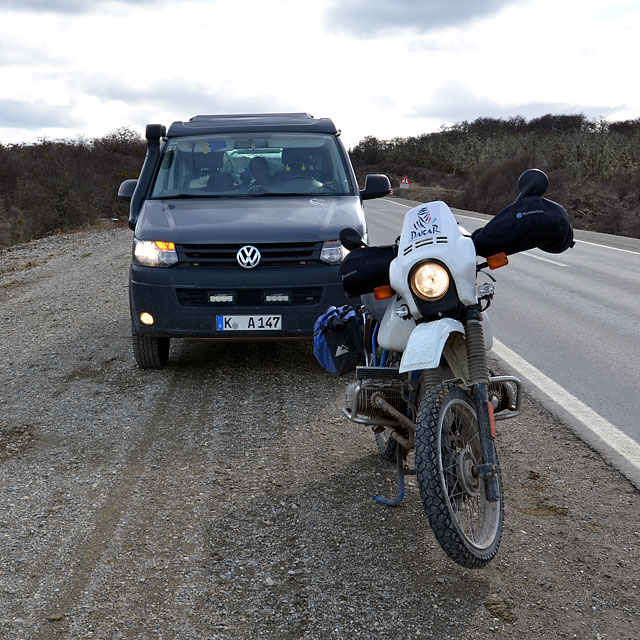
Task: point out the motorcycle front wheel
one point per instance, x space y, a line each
447 451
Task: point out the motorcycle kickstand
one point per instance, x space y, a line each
402 471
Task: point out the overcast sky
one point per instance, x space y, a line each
386 68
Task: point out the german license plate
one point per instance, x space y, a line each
248 323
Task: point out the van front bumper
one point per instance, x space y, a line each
178 299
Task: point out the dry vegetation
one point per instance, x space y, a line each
59 185
594 168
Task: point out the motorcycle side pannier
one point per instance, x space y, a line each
337 340
529 222
365 268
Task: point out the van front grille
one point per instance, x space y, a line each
272 254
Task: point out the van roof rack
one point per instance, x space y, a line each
215 116
252 122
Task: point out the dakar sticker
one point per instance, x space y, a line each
425 225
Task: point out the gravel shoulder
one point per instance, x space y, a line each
225 497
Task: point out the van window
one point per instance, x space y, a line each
247 165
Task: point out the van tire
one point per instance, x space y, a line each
150 352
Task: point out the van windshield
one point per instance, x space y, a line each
248 165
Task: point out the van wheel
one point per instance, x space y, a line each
150 352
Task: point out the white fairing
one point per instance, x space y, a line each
430 232
394 332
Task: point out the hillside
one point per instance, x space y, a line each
56 185
593 166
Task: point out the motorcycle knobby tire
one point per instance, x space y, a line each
467 526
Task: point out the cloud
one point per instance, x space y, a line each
33 115
175 96
370 18
163 101
66 6
21 55
455 102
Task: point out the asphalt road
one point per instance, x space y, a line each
571 319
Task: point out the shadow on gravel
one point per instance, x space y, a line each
15 440
186 354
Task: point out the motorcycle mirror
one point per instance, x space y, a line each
351 239
532 182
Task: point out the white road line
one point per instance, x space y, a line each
399 203
459 215
606 246
559 264
610 435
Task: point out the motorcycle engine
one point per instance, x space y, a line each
360 394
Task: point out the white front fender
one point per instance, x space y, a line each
426 344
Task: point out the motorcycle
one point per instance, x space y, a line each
424 385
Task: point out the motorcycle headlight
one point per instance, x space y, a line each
429 281
151 253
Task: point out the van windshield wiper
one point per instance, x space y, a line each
184 196
279 194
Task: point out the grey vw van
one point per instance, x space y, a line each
236 221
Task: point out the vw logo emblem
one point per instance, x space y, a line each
248 257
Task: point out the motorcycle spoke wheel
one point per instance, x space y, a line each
447 450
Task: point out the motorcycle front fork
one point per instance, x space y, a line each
479 377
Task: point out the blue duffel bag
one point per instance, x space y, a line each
337 340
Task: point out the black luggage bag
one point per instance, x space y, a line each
365 268
529 222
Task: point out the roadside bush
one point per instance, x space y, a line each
56 185
494 185
593 165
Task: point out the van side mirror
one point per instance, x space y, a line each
125 192
376 185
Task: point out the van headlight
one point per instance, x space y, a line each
333 252
429 281
154 253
